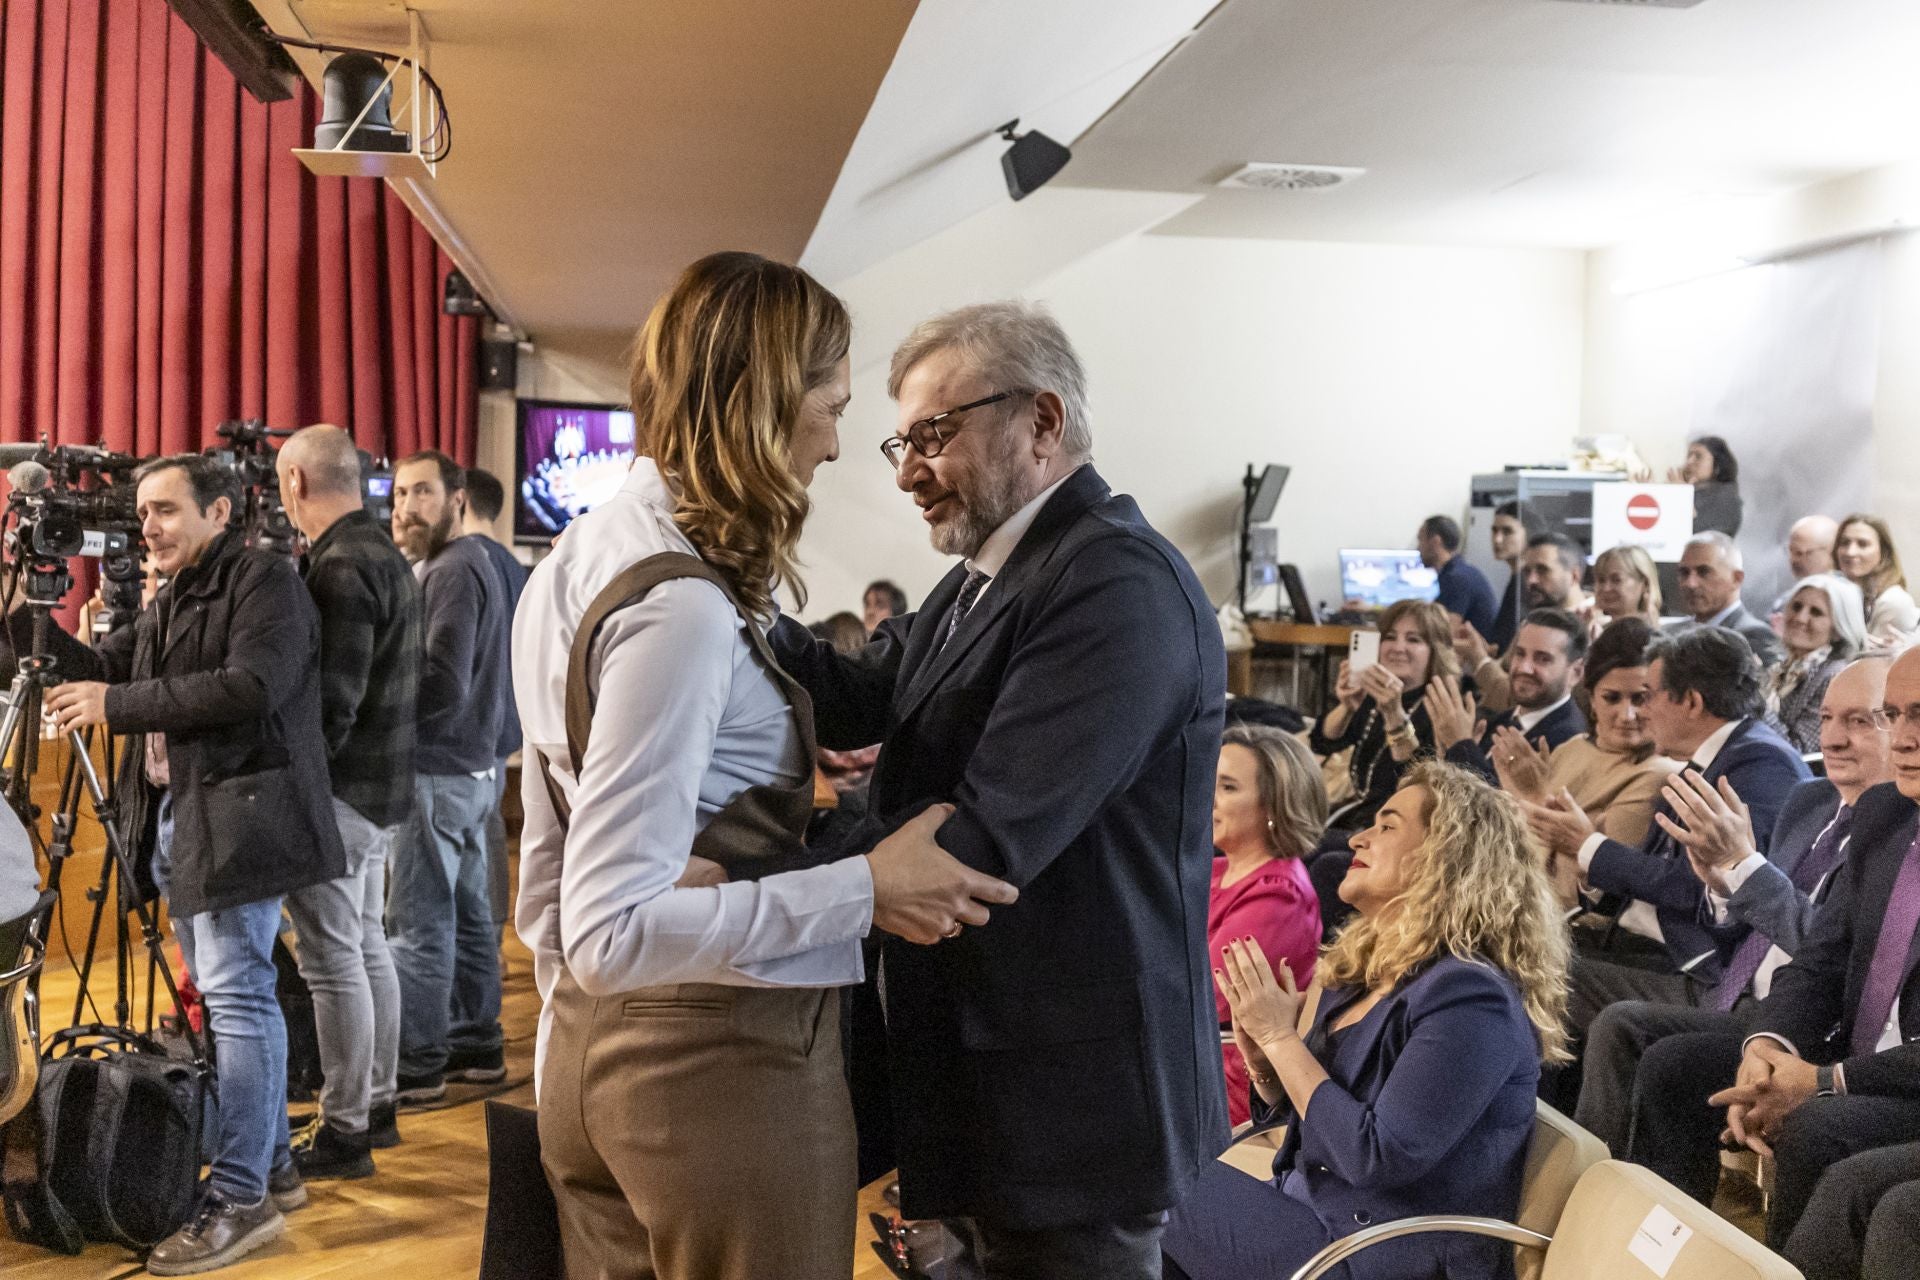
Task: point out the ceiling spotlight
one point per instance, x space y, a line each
1031 161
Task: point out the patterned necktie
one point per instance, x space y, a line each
1822 858
1889 955
969 592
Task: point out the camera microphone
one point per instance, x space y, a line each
28 476
13 453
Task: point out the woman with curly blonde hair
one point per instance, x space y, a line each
1410 1090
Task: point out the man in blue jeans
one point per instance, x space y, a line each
440 925
220 673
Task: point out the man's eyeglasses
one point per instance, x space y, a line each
1892 717
929 436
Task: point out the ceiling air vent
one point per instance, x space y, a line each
1645 4
1288 177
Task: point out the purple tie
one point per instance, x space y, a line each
969 592
1822 858
1889 954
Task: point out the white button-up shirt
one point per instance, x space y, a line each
685 719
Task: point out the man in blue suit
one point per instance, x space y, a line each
1055 1075
1659 938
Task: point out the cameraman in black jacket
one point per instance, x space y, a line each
220 674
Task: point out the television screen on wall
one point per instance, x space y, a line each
572 457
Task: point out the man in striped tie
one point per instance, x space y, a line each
1832 1067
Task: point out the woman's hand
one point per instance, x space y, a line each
1385 689
1346 689
1469 645
1560 824
1521 765
1266 1009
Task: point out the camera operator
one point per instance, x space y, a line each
220 672
369 677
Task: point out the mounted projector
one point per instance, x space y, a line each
1031 161
356 136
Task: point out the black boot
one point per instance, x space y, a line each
327 1151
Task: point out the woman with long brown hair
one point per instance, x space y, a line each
1864 552
694 1118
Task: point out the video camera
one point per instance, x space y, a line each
262 516
55 514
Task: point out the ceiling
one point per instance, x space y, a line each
601 145
1528 122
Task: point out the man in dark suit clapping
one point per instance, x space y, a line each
1056 1074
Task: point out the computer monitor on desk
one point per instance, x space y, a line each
1371 579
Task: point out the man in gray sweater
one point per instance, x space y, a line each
439 917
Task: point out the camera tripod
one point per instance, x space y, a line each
19 760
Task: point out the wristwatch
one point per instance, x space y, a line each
1823 1086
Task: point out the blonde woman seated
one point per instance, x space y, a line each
1381 713
1625 585
1268 810
1824 627
1612 772
1411 1090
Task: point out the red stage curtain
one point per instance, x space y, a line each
166 265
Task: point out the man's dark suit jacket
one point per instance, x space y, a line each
1565 722
1062 1064
1768 901
1814 999
1755 631
1763 768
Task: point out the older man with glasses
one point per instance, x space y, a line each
1055 1075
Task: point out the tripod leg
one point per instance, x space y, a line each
119 859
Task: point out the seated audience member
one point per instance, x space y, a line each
880 601
1829 1068
1380 714
1705 694
1410 1090
1268 810
1261 711
1711 571
847 772
1513 524
1863 1219
1550 573
1774 895
1464 590
1612 773
1809 551
1625 585
1714 473
1823 627
1542 668
1864 553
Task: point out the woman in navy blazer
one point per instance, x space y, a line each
1412 1091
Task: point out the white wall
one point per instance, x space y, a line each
1383 375
1643 351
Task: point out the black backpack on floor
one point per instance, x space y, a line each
121 1128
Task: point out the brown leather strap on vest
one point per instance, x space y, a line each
765 822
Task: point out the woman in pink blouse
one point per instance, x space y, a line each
1269 808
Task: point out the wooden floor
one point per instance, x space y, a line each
419 1217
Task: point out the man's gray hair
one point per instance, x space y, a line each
1014 345
1720 542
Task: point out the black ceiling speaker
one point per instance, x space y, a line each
1031 161
357 83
